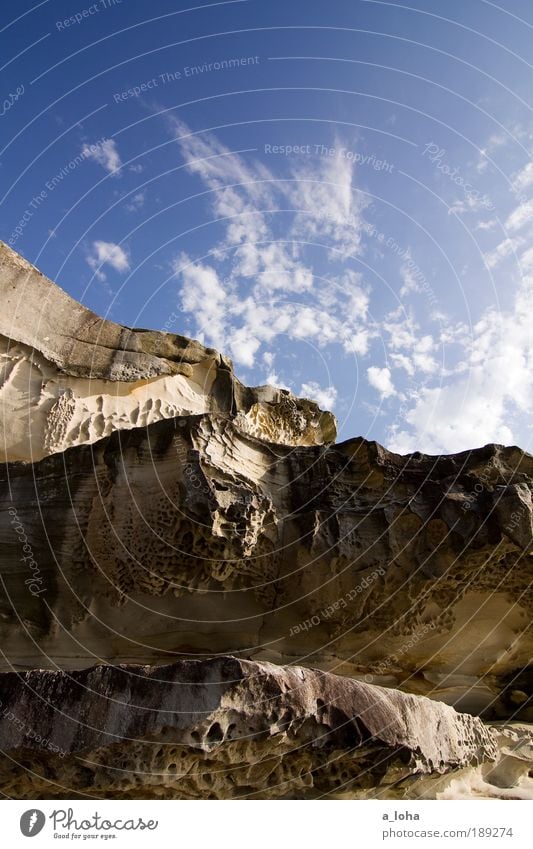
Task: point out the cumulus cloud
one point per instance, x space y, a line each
107 253
259 287
464 413
243 196
325 397
204 296
243 346
106 154
273 379
476 405
357 343
489 224
381 379
526 261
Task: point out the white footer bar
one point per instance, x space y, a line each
268 824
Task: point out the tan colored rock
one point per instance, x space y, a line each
189 536
508 776
68 377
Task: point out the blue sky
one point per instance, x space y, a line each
338 194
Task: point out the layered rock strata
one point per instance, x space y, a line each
190 537
220 729
157 516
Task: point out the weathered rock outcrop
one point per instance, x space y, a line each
189 537
153 510
509 776
69 377
222 728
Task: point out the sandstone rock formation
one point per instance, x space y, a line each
190 537
153 510
223 728
69 377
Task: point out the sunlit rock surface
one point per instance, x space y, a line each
509 775
68 377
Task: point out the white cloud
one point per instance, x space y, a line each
259 287
381 379
495 141
404 334
243 346
307 324
269 289
410 283
358 343
444 419
136 202
475 406
487 225
357 295
273 379
105 154
403 362
325 397
331 208
520 216
243 196
524 178
204 296
526 261
108 253
502 251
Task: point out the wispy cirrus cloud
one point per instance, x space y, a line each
269 289
523 179
330 208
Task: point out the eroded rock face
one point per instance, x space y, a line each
190 536
222 728
69 377
508 776
155 511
